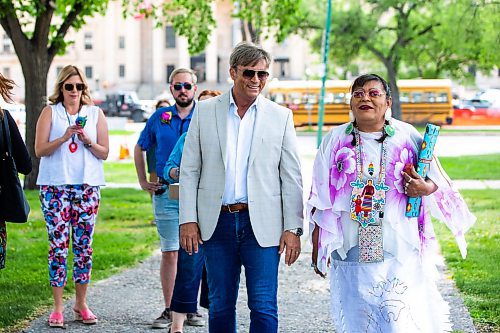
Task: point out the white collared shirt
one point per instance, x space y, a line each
239 141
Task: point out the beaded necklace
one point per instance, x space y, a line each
367 205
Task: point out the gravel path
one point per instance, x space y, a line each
128 302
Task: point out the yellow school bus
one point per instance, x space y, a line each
422 101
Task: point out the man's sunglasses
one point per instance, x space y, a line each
70 86
186 85
250 74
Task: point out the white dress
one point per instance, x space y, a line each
400 293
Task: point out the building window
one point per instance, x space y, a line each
283 65
88 41
88 72
198 64
7 44
121 42
121 71
170 37
58 70
6 72
170 69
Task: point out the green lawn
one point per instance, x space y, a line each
123 223
120 172
120 132
478 277
472 167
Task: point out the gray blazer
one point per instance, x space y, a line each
274 179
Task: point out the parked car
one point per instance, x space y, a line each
123 104
494 110
471 108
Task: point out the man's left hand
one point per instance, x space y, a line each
291 244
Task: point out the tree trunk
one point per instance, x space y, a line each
35 67
392 78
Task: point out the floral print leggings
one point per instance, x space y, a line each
70 208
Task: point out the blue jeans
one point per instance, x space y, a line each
233 244
187 281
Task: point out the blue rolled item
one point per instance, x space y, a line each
424 161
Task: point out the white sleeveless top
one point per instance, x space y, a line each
63 167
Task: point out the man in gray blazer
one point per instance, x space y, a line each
241 193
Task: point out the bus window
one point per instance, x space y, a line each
430 97
278 98
442 97
295 98
329 98
416 97
339 98
310 98
404 97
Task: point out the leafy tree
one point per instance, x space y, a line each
38 29
286 17
414 38
467 38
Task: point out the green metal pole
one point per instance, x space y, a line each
326 46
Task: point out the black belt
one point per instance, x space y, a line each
234 208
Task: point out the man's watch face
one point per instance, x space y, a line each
297 231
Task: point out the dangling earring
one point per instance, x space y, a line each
388 114
388 128
350 127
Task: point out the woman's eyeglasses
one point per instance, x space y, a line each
70 86
371 93
250 74
185 85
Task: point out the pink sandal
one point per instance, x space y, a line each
56 319
86 316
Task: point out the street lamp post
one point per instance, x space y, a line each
326 46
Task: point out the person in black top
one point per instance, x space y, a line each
19 153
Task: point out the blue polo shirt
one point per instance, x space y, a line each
163 136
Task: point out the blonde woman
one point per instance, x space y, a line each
72 142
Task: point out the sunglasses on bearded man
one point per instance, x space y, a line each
185 85
70 86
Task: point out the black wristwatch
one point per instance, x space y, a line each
297 231
87 145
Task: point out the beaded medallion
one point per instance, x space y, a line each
367 206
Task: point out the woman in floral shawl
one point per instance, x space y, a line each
382 278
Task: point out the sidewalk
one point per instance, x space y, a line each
128 302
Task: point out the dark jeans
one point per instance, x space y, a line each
233 244
187 281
